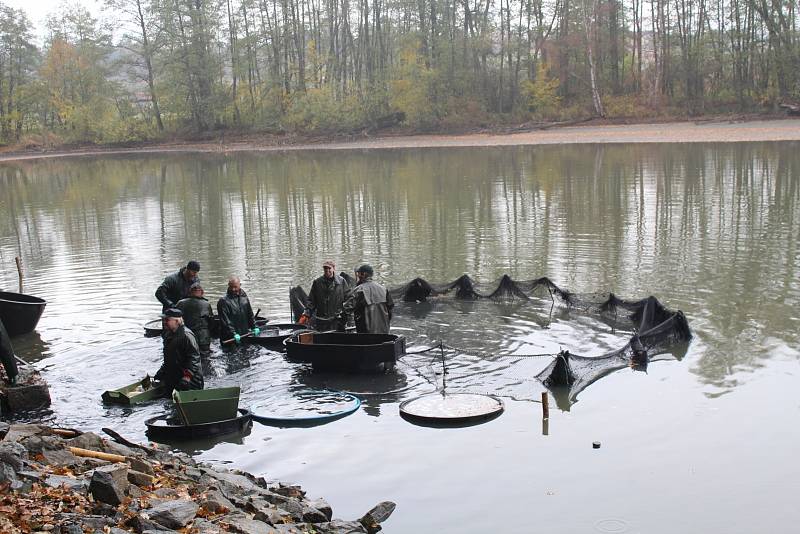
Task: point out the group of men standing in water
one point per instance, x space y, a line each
187 315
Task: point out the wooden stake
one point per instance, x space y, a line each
86 453
19 270
545 406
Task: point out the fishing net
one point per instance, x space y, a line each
658 332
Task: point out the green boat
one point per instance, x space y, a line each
142 391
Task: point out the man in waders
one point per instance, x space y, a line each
176 286
235 312
182 368
370 303
7 356
197 316
326 300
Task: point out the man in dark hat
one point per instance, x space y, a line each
235 312
326 300
176 286
182 368
197 316
7 355
370 303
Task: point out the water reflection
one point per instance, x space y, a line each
710 229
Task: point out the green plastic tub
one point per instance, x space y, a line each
207 405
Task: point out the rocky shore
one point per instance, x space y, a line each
60 481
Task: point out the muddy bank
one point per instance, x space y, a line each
67 482
710 131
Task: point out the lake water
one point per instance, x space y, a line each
702 442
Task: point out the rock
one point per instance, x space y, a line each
312 515
173 514
141 523
8 475
134 492
4 427
109 483
112 447
12 454
73 484
71 528
116 530
61 457
140 479
205 527
372 520
229 481
338 526
165 493
33 476
26 397
143 466
242 524
215 502
90 522
87 440
323 506
271 516
18 432
291 491
101 508
41 443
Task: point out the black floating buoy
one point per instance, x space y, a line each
595 444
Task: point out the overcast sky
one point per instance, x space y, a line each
38 9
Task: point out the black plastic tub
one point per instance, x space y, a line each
171 428
336 351
20 313
272 335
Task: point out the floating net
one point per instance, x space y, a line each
659 333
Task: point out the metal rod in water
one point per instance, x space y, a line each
19 270
545 406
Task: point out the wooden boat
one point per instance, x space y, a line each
142 391
272 335
171 428
335 351
20 313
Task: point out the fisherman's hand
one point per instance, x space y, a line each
303 319
255 331
237 338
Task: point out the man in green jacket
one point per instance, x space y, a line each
176 286
235 312
326 300
7 355
370 303
182 368
197 316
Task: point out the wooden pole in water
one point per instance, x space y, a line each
19 270
545 406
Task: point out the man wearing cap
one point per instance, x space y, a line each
176 286
370 303
197 316
235 312
326 300
7 356
181 369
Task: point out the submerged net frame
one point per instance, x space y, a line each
658 331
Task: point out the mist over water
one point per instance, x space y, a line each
712 230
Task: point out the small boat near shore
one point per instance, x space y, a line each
337 351
143 390
19 312
172 428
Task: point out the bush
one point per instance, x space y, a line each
541 95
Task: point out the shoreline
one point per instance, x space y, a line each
707 131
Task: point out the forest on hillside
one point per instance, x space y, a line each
148 69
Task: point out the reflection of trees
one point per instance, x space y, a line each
710 229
